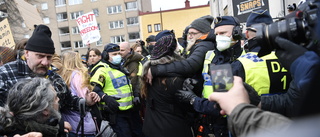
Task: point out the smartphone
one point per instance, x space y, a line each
221 77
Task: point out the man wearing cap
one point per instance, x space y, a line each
111 82
265 74
228 35
37 63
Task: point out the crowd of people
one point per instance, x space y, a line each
155 89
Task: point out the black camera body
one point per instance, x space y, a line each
298 27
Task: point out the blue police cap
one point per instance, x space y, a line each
111 47
259 16
226 20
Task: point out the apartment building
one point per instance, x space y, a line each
117 20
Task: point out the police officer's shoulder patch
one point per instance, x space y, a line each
101 78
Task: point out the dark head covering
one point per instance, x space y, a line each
226 20
151 38
111 47
165 45
259 16
202 24
41 41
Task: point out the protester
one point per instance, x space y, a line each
19 48
32 106
93 57
37 63
165 117
77 78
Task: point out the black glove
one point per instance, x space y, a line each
111 104
253 94
289 51
185 96
188 84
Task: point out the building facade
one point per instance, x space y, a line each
176 19
117 20
242 8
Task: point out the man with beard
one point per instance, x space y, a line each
32 106
37 63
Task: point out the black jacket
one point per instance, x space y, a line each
190 66
165 116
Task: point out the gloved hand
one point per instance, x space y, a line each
136 100
253 94
111 104
188 84
185 96
289 51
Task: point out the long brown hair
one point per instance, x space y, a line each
72 61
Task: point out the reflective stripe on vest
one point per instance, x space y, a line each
115 85
265 74
140 69
207 85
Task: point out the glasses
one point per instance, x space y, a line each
192 33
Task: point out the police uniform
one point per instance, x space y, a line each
111 81
265 74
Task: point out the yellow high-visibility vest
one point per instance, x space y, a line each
265 74
114 83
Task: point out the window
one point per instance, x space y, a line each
99 42
131 5
132 21
62 16
114 9
78 44
117 39
75 30
149 28
116 24
60 3
74 2
96 12
65 44
64 31
44 6
75 15
134 36
46 20
157 27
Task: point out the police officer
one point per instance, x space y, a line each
228 35
111 82
265 74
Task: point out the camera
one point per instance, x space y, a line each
298 27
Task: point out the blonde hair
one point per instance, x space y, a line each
72 61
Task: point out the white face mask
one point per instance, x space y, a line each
224 42
116 60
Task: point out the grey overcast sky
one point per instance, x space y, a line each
173 4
